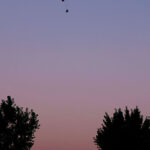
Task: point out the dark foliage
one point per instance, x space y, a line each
124 131
17 126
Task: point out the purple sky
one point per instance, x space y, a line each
72 68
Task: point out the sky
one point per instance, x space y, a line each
73 67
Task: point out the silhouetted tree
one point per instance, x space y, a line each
17 126
124 131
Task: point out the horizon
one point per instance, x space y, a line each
71 68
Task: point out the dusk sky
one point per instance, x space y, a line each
73 67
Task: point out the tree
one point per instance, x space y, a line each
124 131
17 126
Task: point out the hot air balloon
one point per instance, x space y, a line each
67 10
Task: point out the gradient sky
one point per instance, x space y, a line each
72 68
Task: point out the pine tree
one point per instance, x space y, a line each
124 131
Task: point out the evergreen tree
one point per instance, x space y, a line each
124 131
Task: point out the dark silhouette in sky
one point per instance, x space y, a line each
124 131
67 10
17 126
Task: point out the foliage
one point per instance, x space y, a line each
124 131
17 126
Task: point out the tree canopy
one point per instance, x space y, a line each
17 126
124 131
